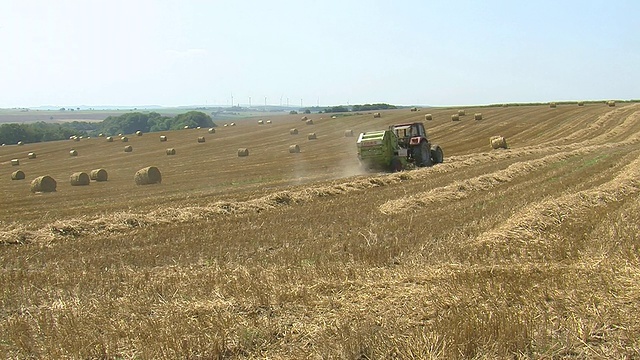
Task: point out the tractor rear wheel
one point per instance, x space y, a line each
421 155
396 165
436 154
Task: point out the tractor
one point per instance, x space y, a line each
399 147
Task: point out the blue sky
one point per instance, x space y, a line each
143 52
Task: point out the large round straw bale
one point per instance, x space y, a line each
312 136
43 184
212 131
20 143
461 113
611 103
128 148
98 175
414 109
232 124
200 139
455 117
428 117
477 116
72 137
348 133
309 122
294 148
148 175
304 118
31 155
163 138
268 121
225 125
15 162
79 179
552 105
171 151
293 131
109 139
243 152
73 152
198 128
260 122
124 139
376 115
139 133
17 175
77 138
580 103
186 126
101 135
498 142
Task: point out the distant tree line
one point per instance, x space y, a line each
126 124
365 107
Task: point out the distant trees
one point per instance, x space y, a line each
35 132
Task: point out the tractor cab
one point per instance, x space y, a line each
409 134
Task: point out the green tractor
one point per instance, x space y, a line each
397 148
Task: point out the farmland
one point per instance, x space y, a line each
527 252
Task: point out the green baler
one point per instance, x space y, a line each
379 150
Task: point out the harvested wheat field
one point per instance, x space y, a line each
526 252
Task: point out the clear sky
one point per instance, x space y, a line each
405 52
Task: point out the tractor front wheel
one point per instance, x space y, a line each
396 165
436 154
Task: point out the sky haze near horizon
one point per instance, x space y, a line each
405 52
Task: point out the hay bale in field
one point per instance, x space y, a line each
334 117
17 175
232 124
109 139
304 118
128 148
120 135
163 138
79 179
309 122
294 149
77 138
73 152
260 122
3 144
312 136
268 121
580 103
198 128
211 131
225 125
138 133
498 142
124 139
147 176
15 162
186 127
611 103
414 109
348 133
171 151
477 116
72 137
20 143
101 135
552 105
98 175
200 139
43 184
376 115
428 117
293 132
461 113
31 155
243 152
455 117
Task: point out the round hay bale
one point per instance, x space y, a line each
198 128
31 155
79 179
225 125
477 116
212 131
101 135
304 118
268 121
109 139
428 117
455 117
171 151
293 131
461 113
20 143
72 137
73 152
43 184
3 144
260 122
414 109
124 139
611 103
76 138
138 133
294 149
200 139
309 122
348 133
98 175
498 142
148 175
17 175
186 127
552 105
580 103
163 138
312 136
128 148
15 162
376 115
243 152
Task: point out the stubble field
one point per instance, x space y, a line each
530 252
